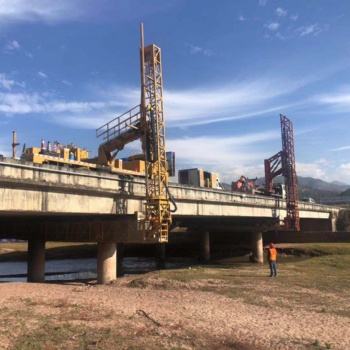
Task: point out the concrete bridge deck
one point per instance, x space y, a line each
46 203
28 189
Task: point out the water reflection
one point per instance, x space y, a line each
81 269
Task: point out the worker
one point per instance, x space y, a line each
272 257
153 220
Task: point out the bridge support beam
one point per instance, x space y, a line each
106 262
36 261
205 247
257 247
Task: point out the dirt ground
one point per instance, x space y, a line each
204 308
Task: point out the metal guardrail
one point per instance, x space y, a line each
119 125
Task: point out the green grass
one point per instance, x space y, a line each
319 284
315 249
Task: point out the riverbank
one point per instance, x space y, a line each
226 305
17 251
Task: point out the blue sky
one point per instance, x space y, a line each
230 68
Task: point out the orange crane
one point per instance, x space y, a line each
283 163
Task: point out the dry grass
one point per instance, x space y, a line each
226 306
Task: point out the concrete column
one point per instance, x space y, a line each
120 256
333 221
106 262
205 247
257 247
36 261
160 255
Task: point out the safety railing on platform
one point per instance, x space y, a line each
120 125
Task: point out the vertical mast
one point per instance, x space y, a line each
153 141
289 173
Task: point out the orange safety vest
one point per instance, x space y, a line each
273 254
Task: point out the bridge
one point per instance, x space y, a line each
41 203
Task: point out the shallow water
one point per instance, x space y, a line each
75 269
82 269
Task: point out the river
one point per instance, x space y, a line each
77 269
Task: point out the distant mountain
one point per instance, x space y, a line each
340 183
309 187
315 188
313 184
309 182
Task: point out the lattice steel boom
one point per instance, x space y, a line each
289 172
153 141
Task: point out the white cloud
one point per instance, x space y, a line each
223 154
313 29
12 46
280 36
40 10
339 101
87 120
42 75
315 170
65 82
28 54
343 172
196 49
206 105
273 26
6 83
232 101
294 17
241 18
281 12
344 148
23 103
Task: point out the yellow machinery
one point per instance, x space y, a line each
63 154
144 122
75 157
153 139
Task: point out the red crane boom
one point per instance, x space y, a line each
283 163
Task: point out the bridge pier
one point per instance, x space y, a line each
204 253
333 221
160 255
257 247
106 262
36 261
120 256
